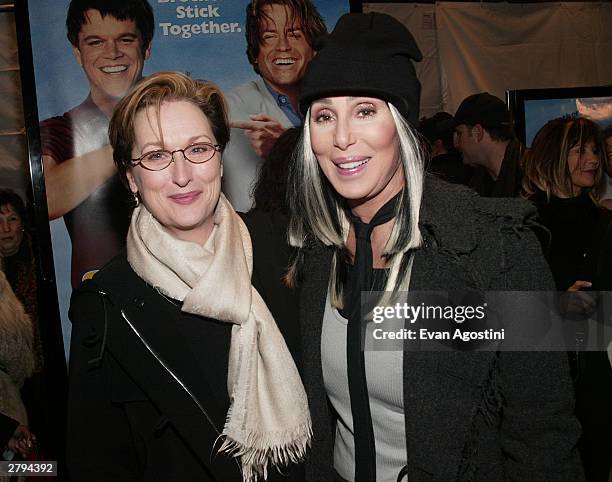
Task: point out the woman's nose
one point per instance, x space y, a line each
343 135
590 157
181 169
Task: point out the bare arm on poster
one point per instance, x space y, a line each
70 182
262 131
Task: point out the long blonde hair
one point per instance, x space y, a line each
318 213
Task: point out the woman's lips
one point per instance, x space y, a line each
348 166
185 198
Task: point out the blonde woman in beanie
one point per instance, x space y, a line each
364 218
178 371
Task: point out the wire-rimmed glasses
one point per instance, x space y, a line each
160 159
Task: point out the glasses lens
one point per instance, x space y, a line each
200 152
156 160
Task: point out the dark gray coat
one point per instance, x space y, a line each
469 415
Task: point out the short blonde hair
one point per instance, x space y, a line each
154 91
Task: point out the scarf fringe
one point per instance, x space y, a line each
275 448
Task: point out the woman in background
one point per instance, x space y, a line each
174 354
18 263
16 363
562 168
267 223
365 219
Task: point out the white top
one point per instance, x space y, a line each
384 374
240 163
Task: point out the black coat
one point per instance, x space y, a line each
508 182
139 406
484 416
147 401
575 240
578 247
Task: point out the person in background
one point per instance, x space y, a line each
111 40
364 218
446 162
18 262
485 137
280 35
174 354
16 364
267 223
270 190
562 167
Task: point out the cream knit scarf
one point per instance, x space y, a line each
268 421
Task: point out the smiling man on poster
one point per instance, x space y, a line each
280 36
111 39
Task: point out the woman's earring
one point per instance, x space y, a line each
136 200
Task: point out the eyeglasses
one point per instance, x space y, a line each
158 160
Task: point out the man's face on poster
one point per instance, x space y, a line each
111 54
284 52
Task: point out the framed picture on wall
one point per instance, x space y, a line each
532 108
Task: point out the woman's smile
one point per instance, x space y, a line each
186 198
350 165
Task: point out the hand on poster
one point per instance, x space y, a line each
84 174
262 131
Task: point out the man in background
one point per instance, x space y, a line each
485 137
111 39
446 162
280 36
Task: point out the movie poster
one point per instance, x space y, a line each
84 63
539 112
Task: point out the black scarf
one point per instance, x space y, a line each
361 279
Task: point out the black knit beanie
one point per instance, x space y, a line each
366 54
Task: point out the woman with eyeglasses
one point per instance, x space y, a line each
175 357
364 219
